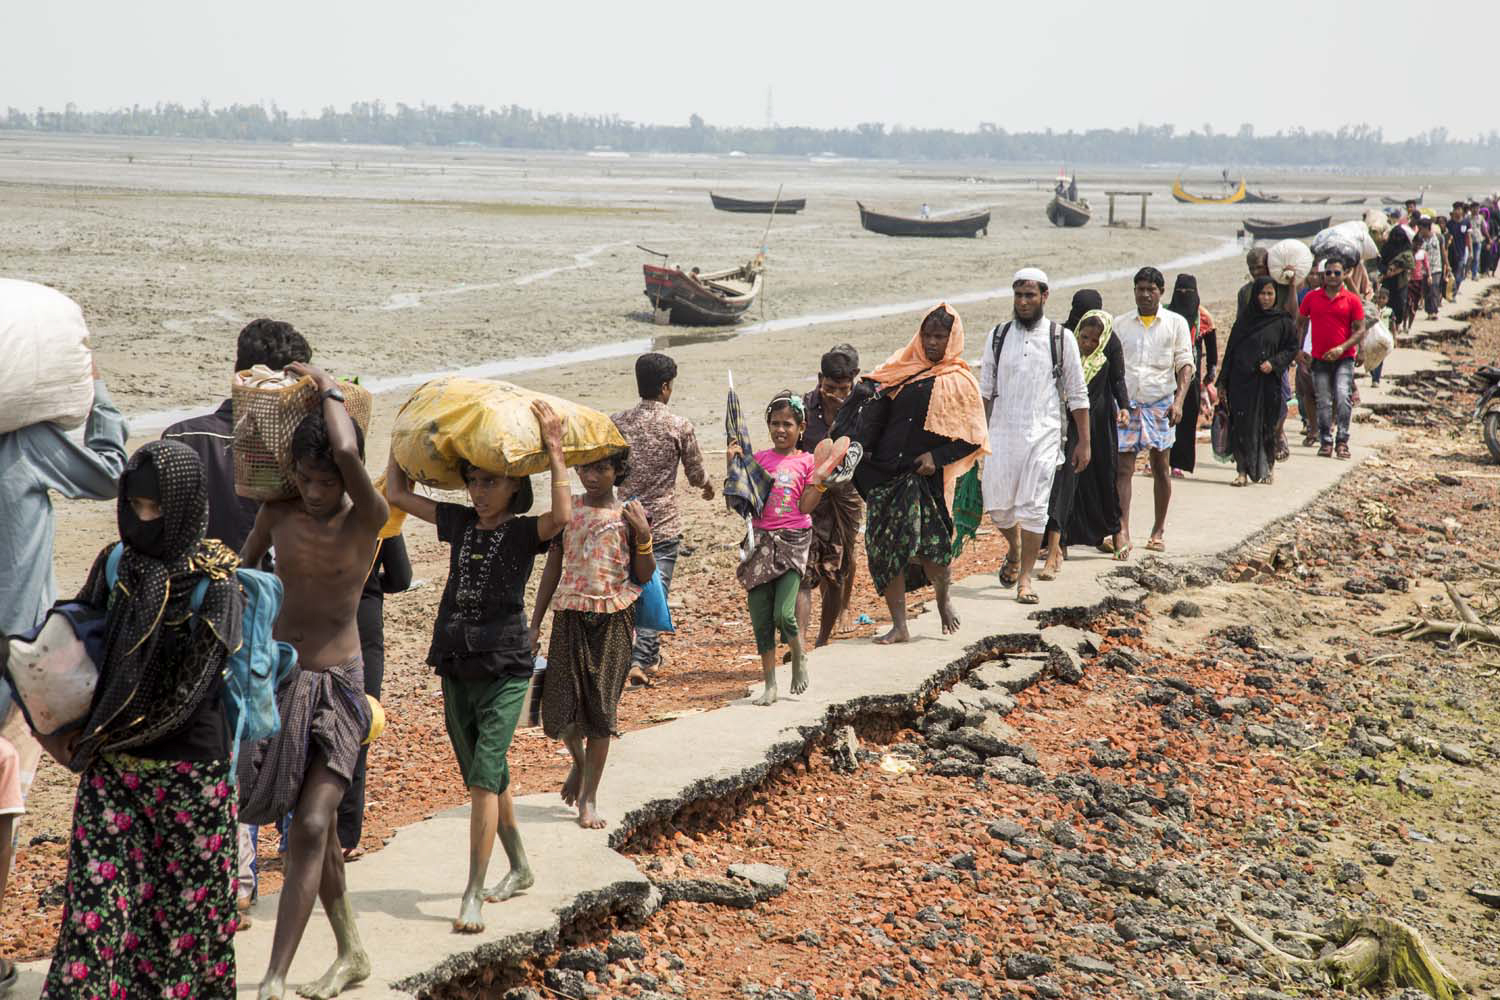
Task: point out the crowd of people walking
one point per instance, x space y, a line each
1047 438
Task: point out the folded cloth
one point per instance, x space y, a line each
322 711
746 485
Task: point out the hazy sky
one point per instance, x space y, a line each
1084 64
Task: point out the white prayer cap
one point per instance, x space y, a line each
1030 274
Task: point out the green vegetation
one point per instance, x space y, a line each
1352 147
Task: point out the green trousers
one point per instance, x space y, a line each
773 607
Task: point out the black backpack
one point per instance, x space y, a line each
1054 341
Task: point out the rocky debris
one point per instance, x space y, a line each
568 983
1383 855
1027 965
1092 966
1014 674
712 891
1487 896
521 993
1408 782
1186 609
768 881
1457 753
992 738
966 705
1014 772
845 751
1350 873
625 945
583 960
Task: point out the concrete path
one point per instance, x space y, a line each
407 894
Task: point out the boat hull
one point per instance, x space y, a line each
896 225
1071 214
787 206
1181 194
689 302
1264 229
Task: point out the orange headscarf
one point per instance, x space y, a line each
955 410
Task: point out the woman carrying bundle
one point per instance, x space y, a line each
1185 303
772 573
1262 345
149 905
594 578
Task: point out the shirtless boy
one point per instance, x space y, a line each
325 541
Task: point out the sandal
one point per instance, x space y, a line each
1241 480
1342 451
1046 574
353 853
1123 554
1156 545
1010 572
1028 597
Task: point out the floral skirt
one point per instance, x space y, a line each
149 906
908 521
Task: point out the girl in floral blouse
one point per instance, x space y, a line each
593 578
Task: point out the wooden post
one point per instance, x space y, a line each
1144 196
1111 208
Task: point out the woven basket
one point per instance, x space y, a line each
264 421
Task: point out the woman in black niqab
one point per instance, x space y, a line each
1185 303
149 897
1261 347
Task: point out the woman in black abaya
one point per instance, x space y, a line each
1261 347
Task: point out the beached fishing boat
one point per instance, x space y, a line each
1062 212
900 225
1351 201
1403 201
1264 229
1181 194
1261 198
694 298
786 206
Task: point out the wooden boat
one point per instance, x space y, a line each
900 225
1351 201
1261 198
714 298
1182 195
786 206
1264 229
1403 201
1062 212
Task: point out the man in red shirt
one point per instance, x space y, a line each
1334 318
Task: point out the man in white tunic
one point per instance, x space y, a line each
1030 374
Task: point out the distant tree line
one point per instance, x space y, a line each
1354 147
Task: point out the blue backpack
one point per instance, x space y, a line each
255 670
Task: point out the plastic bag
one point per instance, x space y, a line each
46 368
1375 345
1377 222
1219 434
1290 262
490 425
651 611
52 669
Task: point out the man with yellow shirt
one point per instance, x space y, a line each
1158 349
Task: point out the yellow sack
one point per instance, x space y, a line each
489 425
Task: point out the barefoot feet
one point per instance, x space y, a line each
892 637
516 880
948 616
345 971
570 786
767 696
470 914
799 670
272 988
588 816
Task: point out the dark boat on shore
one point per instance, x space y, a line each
899 225
693 298
786 206
1403 201
1264 229
1261 198
1062 212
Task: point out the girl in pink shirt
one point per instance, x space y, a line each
772 572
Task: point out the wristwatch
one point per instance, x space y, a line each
336 394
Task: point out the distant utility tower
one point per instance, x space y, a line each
770 116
